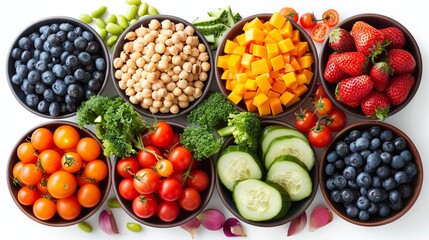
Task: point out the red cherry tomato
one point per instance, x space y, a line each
308 20
181 158
338 120
319 92
320 136
127 167
126 189
169 189
147 157
305 120
145 206
319 32
162 135
168 211
190 199
323 106
198 179
146 181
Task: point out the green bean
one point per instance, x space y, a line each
134 227
113 203
133 2
99 12
114 29
111 18
152 10
133 21
86 18
112 40
84 226
122 21
143 9
131 12
103 33
100 22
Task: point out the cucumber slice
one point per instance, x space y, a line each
290 145
257 200
214 18
237 163
292 175
274 131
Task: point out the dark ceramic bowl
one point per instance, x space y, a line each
236 30
184 216
69 99
414 184
378 21
296 208
142 106
57 221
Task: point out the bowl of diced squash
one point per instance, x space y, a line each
267 64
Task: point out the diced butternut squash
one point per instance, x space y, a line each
301 89
277 20
241 39
309 75
296 36
301 78
268 27
286 30
272 94
269 39
249 94
272 50
234 63
277 62
234 97
302 48
222 61
279 86
286 45
259 51
260 99
229 46
251 85
249 105
294 63
263 82
289 68
239 50
264 109
239 88
275 34
230 84
254 34
256 23
290 80
286 97
241 77
275 105
260 66
294 100
305 61
247 59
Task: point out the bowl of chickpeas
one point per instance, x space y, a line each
163 66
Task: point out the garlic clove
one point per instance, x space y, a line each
211 219
107 222
297 224
233 228
191 226
319 218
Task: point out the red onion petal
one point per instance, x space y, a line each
191 226
211 219
107 222
233 228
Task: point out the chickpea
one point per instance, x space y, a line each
183 75
135 55
154 24
187 49
147 93
189 90
154 33
162 92
125 76
144 105
187 66
170 86
157 104
175 38
150 67
192 40
117 63
124 68
122 84
161 38
177 91
138 47
141 31
202 47
128 47
184 104
198 84
189 30
131 36
130 92
146 84
139 97
164 109
203 56
153 110
169 97
148 38
140 62
174 109
130 83
173 50
192 60
118 74
175 78
205 66
167 32
155 87
167 103
162 65
155 95
133 100
166 24
160 48
191 98
180 27
196 69
123 56
195 52
176 60
169 42
203 76
148 101
184 56
131 64
155 58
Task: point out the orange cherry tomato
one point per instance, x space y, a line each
331 17
61 184
323 106
96 169
319 32
16 171
31 174
164 168
26 152
68 208
66 137
44 208
89 195
88 148
27 196
71 162
42 138
50 160
289 13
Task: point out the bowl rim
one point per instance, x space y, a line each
48 20
204 201
224 195
144 21
418 181
411 41
315 66
64 223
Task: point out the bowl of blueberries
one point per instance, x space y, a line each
56 63
371 173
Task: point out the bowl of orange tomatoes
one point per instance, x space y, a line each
163 185
57 174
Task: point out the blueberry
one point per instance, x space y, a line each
99 76
100 64
69 79
92 47
406 155
33 36
394 195
56 52
67 27
356 160
400 143
401 177
70 100
388 146
54 27
330 184
335 196
62 36
72 61
368 169
48 77
79 74
386 135
59 71
22 70
59 87
43 106
373 160
339 164
33 77
366 134
406 190
397 162
54 109
349 172
363 215
89 94
48 95
32 100
340 182
330 169
410 169
383 171
80 43
25 43
16 53
376 195
364 179
352 147
17 79
376 181
352 210
68 46
84 58
374 144
45 56
354 134
53 39
39 87
363 191
342 149
396 206
70 107
27 87
75 91
362 202
389 183
373 208
365 153
386 157
47 46
347 195
383 209
351 183
78 30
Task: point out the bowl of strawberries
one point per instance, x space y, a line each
371 66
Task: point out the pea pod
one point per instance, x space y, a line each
112 40
143 9
122 21
86 18
111 18
99 12
84 226
114 29
152 10
131 12
133 2
134 227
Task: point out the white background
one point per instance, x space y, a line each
413 120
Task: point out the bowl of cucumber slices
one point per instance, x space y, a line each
282 176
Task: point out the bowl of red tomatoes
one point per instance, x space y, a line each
58 175
163 185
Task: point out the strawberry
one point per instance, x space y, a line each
351 91
399 87
394 36
375 105
332 73
340 40
352 63
380 73
401 61
368 39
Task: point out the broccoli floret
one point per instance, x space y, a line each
201 141
245 127
213 111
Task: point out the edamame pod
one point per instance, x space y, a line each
143 9
112 40
99 12
114 29
122 21
131 12
100 22
134 227
152 10
86 18
103 33
84 226
111 18
133 2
